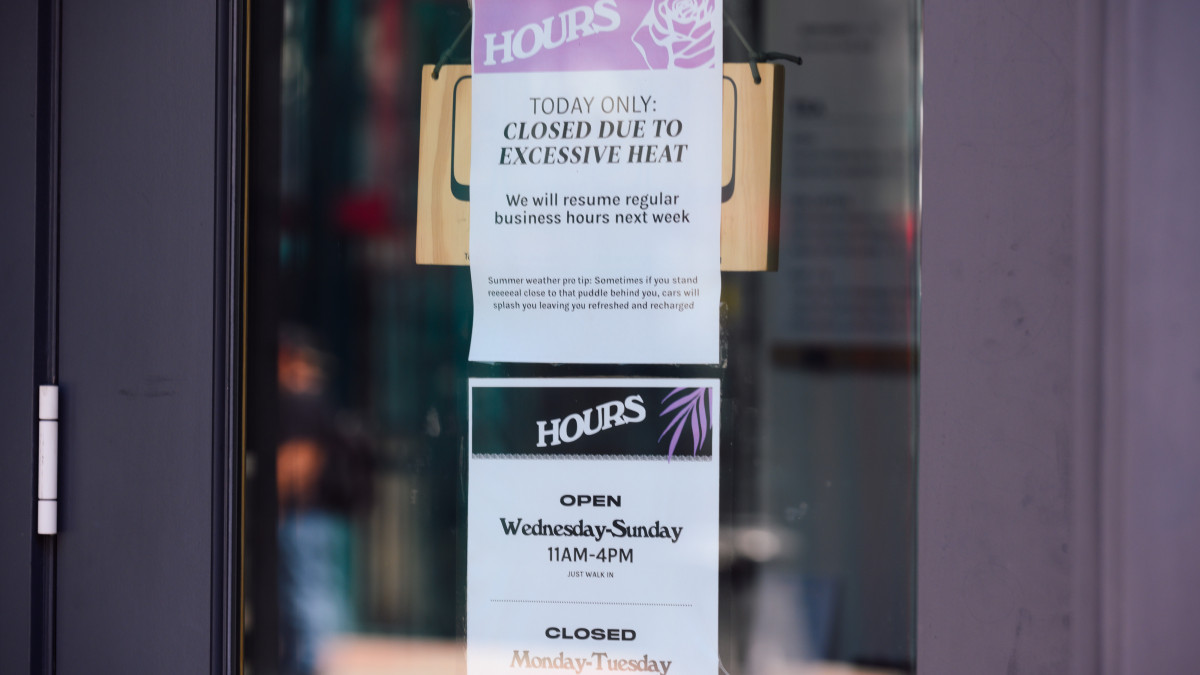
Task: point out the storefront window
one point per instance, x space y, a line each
355 505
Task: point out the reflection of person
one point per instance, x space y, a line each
321 478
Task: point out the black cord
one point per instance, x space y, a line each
757 57
437 69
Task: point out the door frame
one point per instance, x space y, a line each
20 557
138 170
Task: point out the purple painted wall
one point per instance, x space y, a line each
1155 583
997 336
1059 525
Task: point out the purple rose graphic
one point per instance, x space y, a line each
679 34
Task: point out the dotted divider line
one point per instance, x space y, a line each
587 602
615 458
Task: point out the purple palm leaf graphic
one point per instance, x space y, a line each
692 408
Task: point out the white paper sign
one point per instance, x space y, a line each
596 181
592 526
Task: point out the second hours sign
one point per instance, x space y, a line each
592 525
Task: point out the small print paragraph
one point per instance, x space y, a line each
592 293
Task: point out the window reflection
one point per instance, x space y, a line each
356 551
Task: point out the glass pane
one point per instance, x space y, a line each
357 358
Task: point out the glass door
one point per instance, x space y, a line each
357 360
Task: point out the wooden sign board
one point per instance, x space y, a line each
753 115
